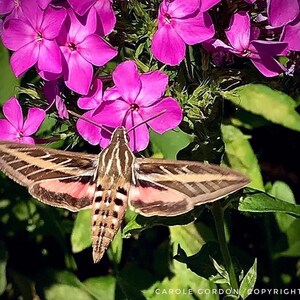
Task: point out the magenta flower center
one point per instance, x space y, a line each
168 18
134 107
246 53
20 135
39 36
72 46
17 3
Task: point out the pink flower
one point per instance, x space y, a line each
106 18
81 50
282 12
181 23
136 98
33 38
14 128
244 43
11 7
52 91
93 134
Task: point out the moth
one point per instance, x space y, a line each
109 182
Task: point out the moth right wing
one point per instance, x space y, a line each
55 177
174 187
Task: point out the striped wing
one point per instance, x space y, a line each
171 188
58 178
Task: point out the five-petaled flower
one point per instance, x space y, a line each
14 128
181 22
82 49
244 43
136 98
33 38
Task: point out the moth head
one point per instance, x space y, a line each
119 135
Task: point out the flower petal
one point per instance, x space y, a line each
195 29
33 13
17 34
94 97
79 73
180 8
127 80
13 113
280 14
208 4
49 57
96 51
26 140
52 22
90 132
291 35
168 120
8 132
154 85
239 31
6 6
35 118
139 137
111 113
81 27
167 46
81 7
20 65
61 108
106 18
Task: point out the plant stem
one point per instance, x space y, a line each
218 214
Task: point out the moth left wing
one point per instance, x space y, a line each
58 178
171 187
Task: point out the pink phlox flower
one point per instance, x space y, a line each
52 92
11 8
91 133
14 128
243 42
33 38
281 12
81 50
181 23
106 18
291 35
136 99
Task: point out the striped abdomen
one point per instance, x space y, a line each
114 177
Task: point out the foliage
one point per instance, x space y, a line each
232 114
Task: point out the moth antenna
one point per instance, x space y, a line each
145 121
88 120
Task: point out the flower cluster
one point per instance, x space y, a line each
67 44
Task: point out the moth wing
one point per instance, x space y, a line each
171 188
55 177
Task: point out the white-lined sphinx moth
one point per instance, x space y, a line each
108 182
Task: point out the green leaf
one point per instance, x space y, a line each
241 156
115 250
9 83
81 237
273 105
169 143
101 287
282 191
66 292
138 222
201 263
259 202
3 262
248 281
223 277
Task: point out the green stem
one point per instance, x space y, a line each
218 214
